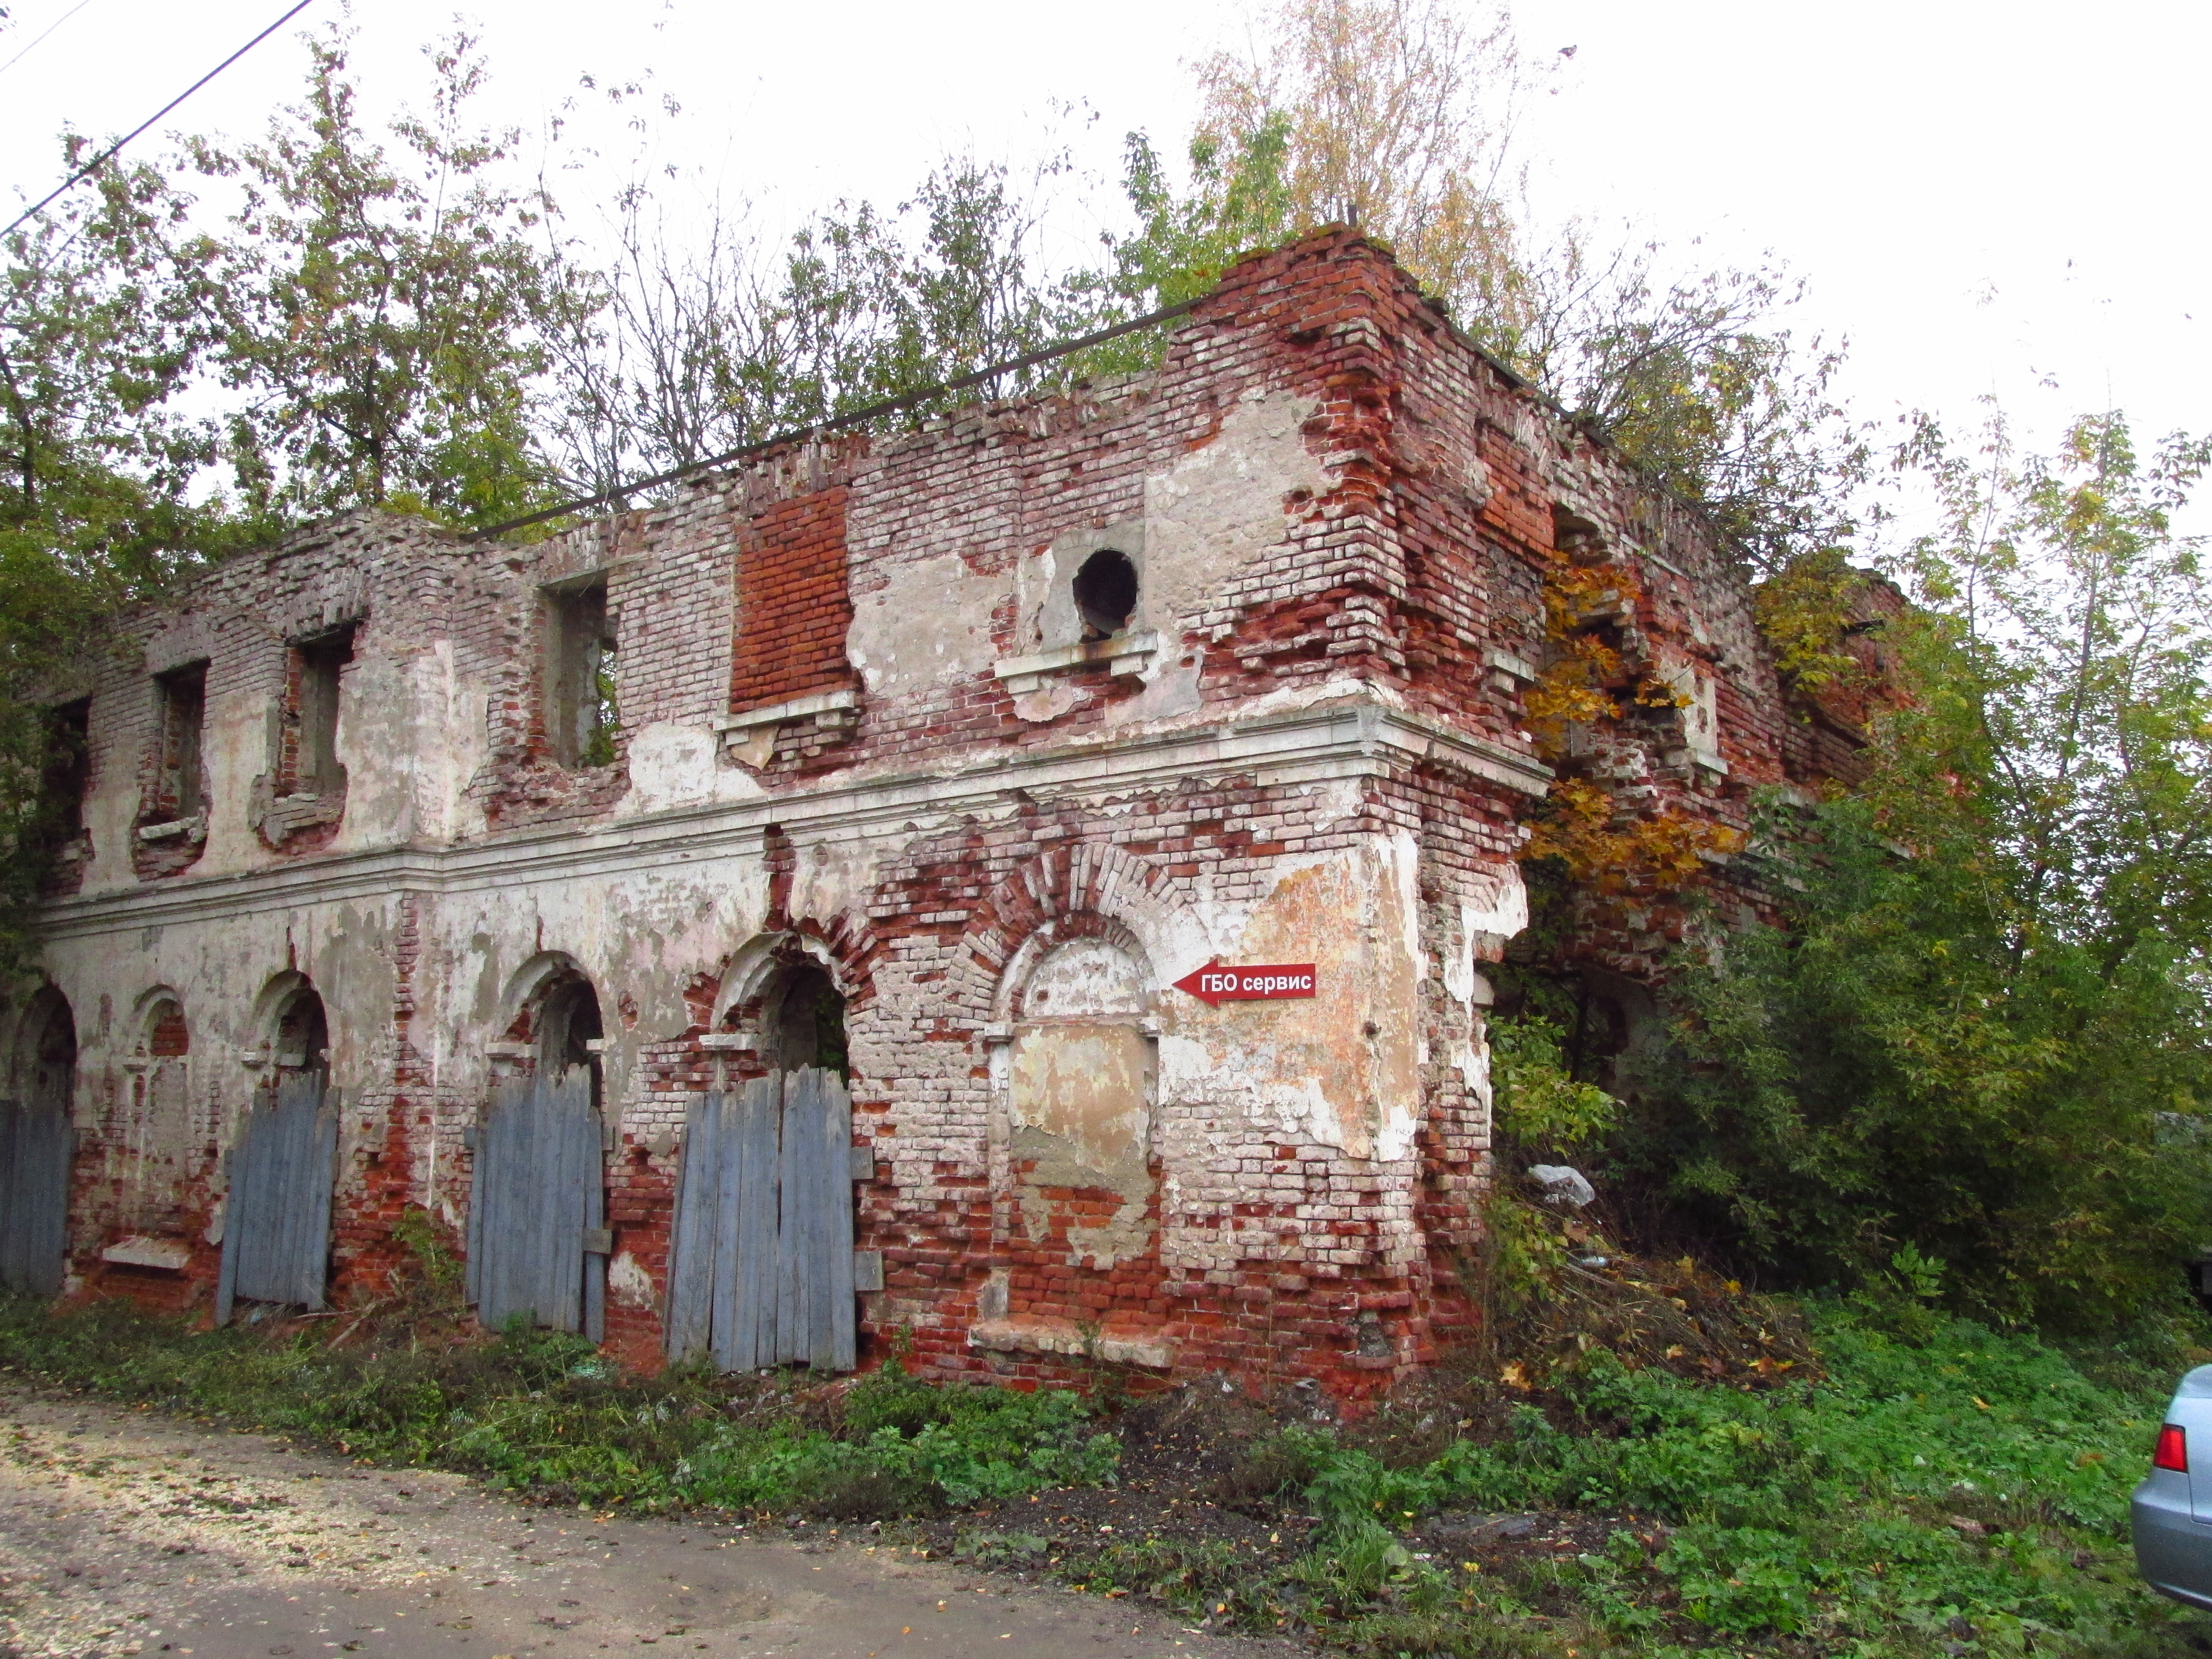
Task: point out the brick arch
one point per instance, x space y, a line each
845 948
1066 893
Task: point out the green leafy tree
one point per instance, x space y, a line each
99 334
1984 1033
1400 115
379 312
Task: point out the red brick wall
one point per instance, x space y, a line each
793 606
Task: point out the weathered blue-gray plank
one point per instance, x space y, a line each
36 1144
690 1321
762 1268
755 1208
277 1216
540 1185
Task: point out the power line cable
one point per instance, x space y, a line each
43 33
905 400
109 154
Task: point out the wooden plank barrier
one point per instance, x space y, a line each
761 1269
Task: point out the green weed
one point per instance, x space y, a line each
542 1412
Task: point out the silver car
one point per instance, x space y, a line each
2172 1508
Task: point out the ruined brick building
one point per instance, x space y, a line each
933 760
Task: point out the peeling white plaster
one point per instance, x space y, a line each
1224 505
929 622
628 1285
673 764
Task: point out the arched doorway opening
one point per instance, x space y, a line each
150 1141
538 1240
303 1034
283 1166
568 1029
802 1021
37 1141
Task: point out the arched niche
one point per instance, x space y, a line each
163 1032
152 1140
1080 1078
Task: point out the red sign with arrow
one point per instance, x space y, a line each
1213 984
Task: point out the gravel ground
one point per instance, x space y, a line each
124 1532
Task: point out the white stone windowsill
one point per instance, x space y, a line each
1129 653
815 702
192 829
728 1042
143 1250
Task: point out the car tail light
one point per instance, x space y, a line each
2173 1451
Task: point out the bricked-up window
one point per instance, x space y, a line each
1105 593
581 717
167 1036
794 608
317 666
179 784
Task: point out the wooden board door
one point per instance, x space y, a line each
537 1211
36 1142
276 1220
760 1271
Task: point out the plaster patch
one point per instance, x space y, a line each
1221 506
628 1285
1039 707
1486 923
1171 689
673 764
833 878
929 622
1081 1109
233 751
1341 1068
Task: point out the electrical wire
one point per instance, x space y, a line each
100 160
43 33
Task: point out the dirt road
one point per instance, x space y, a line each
125 1532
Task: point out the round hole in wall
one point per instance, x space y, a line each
1105 593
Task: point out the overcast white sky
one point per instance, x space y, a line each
1985 197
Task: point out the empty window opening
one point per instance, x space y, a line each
1576 536
303 1034
68 773
1105 593
804 1023
181 788
569 1027
580 718
317 667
